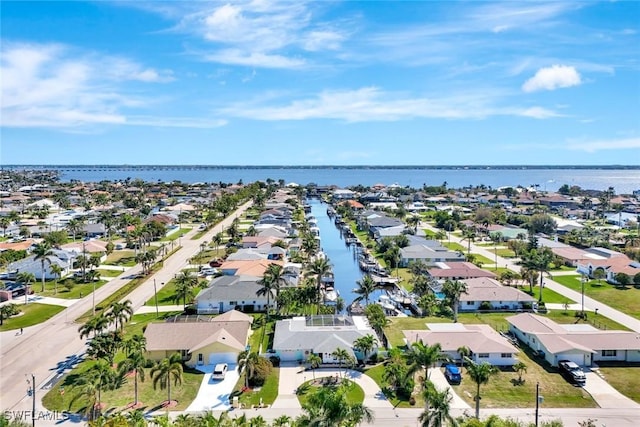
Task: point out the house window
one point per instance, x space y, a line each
200 359
506 355
470 303
483 355
609 353
233 302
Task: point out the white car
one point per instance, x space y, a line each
219 371
208 271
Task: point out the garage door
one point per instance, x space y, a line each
215 358
577 358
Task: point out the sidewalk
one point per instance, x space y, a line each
145 309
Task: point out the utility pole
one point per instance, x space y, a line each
32 387
539 400
582 280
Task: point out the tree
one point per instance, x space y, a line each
319 268
599 274
271 282
366 286
43 253
365 344
26 279
99 378
330 407
56 270
521 368
480 373
342 355
376 318
248 362
439 412
166 370
464 352
185 284
135 362
119 313
314 362
423 356
468 234
622 279
4 224
6 311
94 325
496 238
452 290
105 346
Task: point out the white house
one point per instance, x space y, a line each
582 344
226 293
62 258
485 344
486 290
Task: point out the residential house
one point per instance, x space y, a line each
297 338
489 291
343 194
430 254
227 293
458 271
580 343
610 262
60 257
485 344
253 267
201 340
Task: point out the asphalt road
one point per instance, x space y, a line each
42 348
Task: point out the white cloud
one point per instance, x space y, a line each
58 87
254 59
373 104
551 78
601 145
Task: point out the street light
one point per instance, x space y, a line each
32 389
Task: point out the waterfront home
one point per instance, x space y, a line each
259 241
200 340
227 293
458 271
485 344
297 338
254 267
430 254
579 343
484 293
343 194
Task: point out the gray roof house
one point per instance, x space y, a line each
486 290
297 338
428 254
579 343
226 293
30 265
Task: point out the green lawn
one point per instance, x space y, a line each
355 393
455 246
626 300
505 253
176 234
109 273
124 258
482 259
625 379
548 295
267 393
165 294
78 289
376 374
31 314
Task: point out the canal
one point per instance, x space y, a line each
343 258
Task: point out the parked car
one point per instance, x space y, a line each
219 371
452 374
572 372
208 271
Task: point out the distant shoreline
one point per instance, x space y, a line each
353 167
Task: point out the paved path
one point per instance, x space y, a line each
145 309
43 346
604 394
437 377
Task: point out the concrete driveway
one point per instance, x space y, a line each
604 394
214 395
438 379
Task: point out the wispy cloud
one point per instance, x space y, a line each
261 33
605 144
552 78
57 86
374 104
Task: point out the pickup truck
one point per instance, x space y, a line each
572 372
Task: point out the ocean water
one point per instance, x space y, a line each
624 180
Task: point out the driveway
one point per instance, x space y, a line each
438 379
604 394
214 395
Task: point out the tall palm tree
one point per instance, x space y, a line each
185 284
217 240
464 352
94 325
99 378
43 253
271 282
56 270
469 234
452 290
26 279
330 407
135 344
423 356
120 312
438 414
365 344
366 286
314 362
342 355
248 362
166 370
319 268
135 362
480 373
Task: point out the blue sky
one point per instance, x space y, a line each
321 82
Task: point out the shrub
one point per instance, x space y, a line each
261 372
486 305
412 401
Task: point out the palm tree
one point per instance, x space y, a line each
43 253
4 224
319 268
26 279
135 344
314 362
366 286
438 414
270 284
423 356
120 312
248 362
169 368
329 407
97 379
217 240
94 325
464 352
365 344
87 392
282 421
185 283
480 373
468 234
56 270
520 368
135 362
496 237
452 290
342 355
